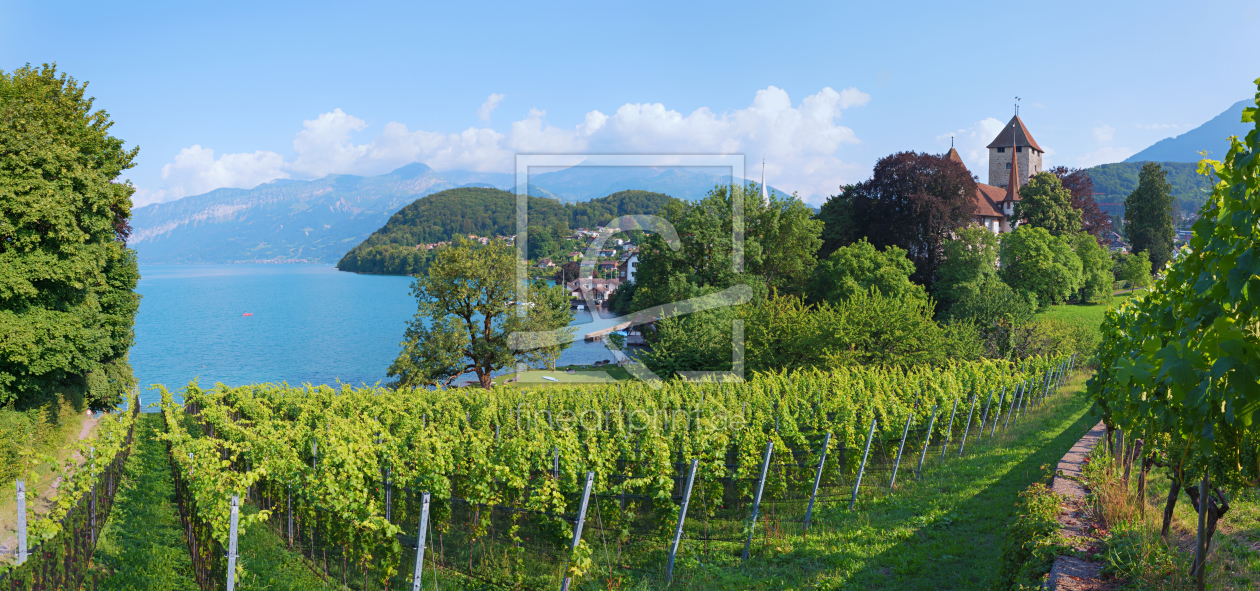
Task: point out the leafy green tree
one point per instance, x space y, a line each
1096 276
1148 216
858 268
1046 203
67 278
1033 260
970 260
1132 267
991 301
780 239
837 218
467 316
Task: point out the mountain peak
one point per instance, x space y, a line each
411 171
1209 137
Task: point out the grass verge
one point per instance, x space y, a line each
1134 550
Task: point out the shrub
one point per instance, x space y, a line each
991 301
1032 540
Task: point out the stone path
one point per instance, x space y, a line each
1070 573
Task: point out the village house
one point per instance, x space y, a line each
598 290
629 263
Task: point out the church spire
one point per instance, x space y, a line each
1012 186
765 195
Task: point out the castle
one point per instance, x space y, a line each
1014 156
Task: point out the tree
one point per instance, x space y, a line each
67 278
914 201
1148 216
1096 276
970 259
859 268
1134 268
467 316
568 272
780 239
1035 261
990 301
1081 185
837 218
1045 203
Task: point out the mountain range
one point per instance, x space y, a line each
320 220
1209 137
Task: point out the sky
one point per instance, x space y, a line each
234 94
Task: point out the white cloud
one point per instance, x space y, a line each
196 170
800 144
1104 134
488 107
972 142
1103 155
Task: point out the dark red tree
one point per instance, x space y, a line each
914 201
1076 180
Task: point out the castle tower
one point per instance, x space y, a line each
1014 148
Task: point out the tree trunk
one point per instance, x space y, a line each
1173 491
1216 506
1135 451
1147 463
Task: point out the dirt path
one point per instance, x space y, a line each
39 497
1071 573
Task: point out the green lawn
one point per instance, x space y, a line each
1084 314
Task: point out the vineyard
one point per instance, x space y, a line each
54 549
1179 368
534 489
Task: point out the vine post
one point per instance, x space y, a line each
21 519
857 484
581 520
682 517
231 556
761 483
420 535
900 448
963 444
949 430
822 459
997 416
927 441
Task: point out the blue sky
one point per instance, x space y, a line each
234 94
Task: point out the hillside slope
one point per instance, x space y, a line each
1209 137
391 250
1114 182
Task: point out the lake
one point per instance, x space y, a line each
307 324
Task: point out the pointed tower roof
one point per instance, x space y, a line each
1012 184
953 155
1015 134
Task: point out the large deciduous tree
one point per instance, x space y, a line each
779 242
1077 180
1033 260
836 214
914 201
1045 203
67 278
1148 215
859 268
467 317
970 260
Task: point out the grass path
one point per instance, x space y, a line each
142 547
943 532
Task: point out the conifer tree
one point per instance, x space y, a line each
1148 219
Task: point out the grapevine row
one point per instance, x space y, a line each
333 453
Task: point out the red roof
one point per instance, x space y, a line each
1015 134
953 155
988 200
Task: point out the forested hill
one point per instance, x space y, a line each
478 211
1114 182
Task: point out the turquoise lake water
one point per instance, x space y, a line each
309 324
